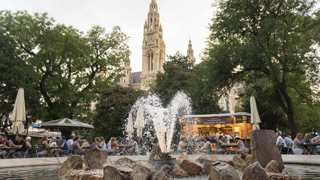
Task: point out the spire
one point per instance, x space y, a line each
190 54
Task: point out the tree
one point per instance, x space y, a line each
15 73
71 66
178 76
265 39
113 109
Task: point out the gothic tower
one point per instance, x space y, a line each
190 54
153 47
126 80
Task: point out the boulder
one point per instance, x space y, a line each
95 158
83 175
241 161
177 172
223 171
183 156
272 167
230 162
254 171
207 158
191 168
264 148
155 154
74 162
279 176
142 171
164 173
127 162
114 172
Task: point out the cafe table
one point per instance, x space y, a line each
308 147
230 147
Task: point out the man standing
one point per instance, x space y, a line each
20 145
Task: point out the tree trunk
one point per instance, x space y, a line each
287 106
46 96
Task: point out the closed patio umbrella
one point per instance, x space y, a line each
139 123
129 128
19 113
255 118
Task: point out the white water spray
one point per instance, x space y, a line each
164 119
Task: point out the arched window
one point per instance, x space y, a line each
150 61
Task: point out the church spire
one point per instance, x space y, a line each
190 54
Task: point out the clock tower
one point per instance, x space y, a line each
153 47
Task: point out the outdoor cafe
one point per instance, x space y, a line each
209 125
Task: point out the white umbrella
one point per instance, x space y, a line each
19 113
255 118
129 128
139 123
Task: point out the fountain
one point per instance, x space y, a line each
164 120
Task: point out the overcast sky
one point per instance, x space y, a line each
180 20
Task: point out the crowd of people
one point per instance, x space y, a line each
300 145
224 144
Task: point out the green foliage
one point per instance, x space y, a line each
179 76
272 40
112 110
69 66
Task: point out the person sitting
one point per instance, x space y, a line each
96 142
280 142
77 147
133 147
288 143
182 145
70 143
297 149
20 147
241 146
62 143
102 143
205 145
316 140
4 143
28 142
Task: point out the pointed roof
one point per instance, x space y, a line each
66 123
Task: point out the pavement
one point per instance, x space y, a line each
29 162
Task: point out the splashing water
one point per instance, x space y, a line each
164 119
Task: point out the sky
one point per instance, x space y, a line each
180 19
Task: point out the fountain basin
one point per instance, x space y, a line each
165 159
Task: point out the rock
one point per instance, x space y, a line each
142 171
127 162
164 173
241 161
272 166
83 175
223 171
155 154
264 148
285 172
183 156
254 171
230 162
279 176
74 162
95 158
114 172
177 172
207 158
191 168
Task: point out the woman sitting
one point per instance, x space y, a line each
298 149
77 147
241 146
44 146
